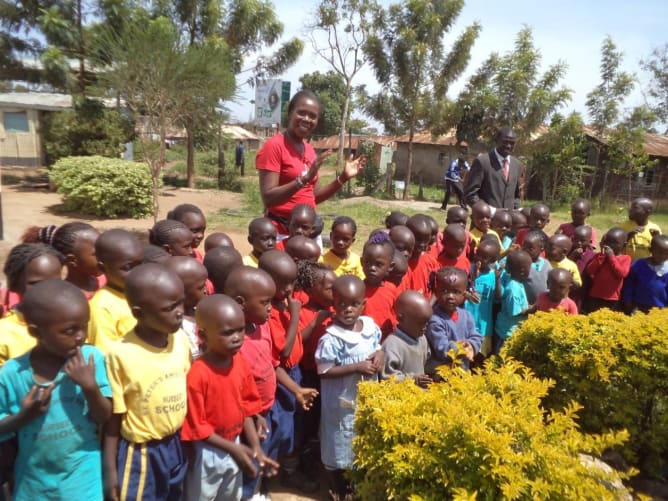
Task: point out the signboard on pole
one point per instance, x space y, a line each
268 102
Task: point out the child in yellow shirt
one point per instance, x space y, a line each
340 258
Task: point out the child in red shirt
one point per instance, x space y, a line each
580 210
287 353
559 282
420 264
454 244
539 216
607 271
379 293
222 400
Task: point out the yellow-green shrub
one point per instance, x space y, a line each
615 366
475 436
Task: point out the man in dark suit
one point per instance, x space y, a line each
495 176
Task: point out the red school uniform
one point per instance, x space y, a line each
567 305
462 262
219 399
437 248
568 229
279 320
607 275
306 316
257 350
380 306
418 274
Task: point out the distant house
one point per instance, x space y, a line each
20 115
237 133
652 183
431 155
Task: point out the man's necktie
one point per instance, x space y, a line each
506 169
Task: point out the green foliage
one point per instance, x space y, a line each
331 89
475 436
103 187
657 66
509 90
371 173
408 56
90 129
560 159
615 366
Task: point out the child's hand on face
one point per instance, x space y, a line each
294 305
80 372
305 397
36 402
576 253
423 380
607 251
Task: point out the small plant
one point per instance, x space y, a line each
475 436
370 175
614 366
104 187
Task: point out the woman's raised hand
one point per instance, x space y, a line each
353 167
315 166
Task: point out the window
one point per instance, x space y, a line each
16 121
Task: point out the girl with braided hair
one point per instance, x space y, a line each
193 217
173 236
76 242
26 265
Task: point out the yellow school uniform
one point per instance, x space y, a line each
250 260
569 265
351 265
110 318
638 246
15 340
476 236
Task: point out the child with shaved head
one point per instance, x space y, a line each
54 398
406 349
147 370
262 237
222 400
348 353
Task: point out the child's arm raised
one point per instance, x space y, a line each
304 396
83 374
294 307
112 434
34 404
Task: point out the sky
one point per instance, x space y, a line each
568 30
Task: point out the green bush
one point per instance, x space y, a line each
104 187
89 129
475 436
370 175
615 366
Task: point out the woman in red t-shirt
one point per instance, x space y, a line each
288 166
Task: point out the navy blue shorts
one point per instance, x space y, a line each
153 471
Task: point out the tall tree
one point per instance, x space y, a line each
657 66
244 26
331 89
509 90
604 102
408 56
345 25
157 82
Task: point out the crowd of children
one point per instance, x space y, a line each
152 371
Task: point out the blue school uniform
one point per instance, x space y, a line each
59 453
338 347
513 302
485 285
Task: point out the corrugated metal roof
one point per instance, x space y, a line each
425 137
36 101
332 142
238 132
656 145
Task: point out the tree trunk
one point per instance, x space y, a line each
190 157
409 167
342 127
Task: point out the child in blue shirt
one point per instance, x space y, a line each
54 397
646 285
484 279
451 327
534 244
514 304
